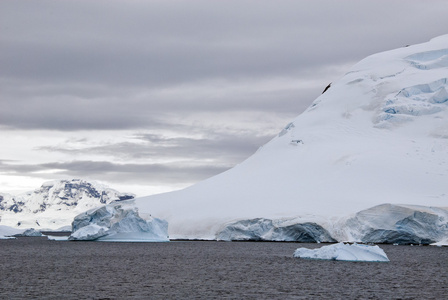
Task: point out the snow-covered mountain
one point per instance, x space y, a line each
55 203
379 135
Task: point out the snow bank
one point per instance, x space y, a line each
118 223
346 252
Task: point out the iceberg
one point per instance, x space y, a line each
118 223
346 252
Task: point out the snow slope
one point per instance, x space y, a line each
55 203
378 135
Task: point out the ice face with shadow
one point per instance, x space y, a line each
346 252
274 230
398 224
118 223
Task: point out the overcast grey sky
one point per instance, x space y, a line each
150 96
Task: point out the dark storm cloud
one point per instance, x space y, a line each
69 65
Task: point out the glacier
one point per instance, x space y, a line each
344 252
118 223
371 164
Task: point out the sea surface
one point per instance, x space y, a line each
36 268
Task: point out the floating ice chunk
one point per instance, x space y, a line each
118 223
347 252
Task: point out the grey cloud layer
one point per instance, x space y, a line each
205 82
219 146
81 64
113 172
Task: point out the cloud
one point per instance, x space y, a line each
215 147
50 107
118 65
149 174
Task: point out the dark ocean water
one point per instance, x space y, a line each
35 268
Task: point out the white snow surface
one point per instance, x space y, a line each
378 135
346 252
118 223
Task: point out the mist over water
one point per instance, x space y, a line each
41 269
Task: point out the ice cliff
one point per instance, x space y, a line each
378 135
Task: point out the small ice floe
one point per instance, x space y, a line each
347 252
442 243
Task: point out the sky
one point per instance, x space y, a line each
153 96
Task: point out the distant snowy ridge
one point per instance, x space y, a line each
55 203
